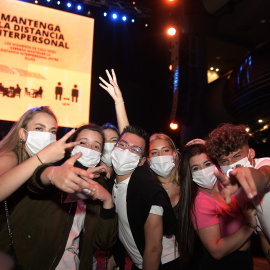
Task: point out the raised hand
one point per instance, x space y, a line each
67 177
56 151
97 192
112 88
96 171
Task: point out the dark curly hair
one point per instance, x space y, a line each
226 138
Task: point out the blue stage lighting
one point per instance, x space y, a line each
48 0
105 14
114 16
58 2
68 5
132 20
79 7
124 18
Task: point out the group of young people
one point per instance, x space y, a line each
100 188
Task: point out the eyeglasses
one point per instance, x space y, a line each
133 149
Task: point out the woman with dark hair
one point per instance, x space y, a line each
205 217
59 224
111 135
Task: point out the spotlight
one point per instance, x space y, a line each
133 21
114 16
173 126
36 1
68 5
171 31
146 25
58 3
79 7
48 0
124 18
105 14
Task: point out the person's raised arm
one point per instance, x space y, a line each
113 89
153 232
12 176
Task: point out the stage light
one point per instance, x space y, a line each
36 1
58 3
146 25
211 68
173 126
68 5
48 0
260 120
79 7
217 69
171 31
105 14
133 21
124 18
247 129
170 67
114 16
133 3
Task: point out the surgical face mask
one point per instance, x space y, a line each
243 162
162 165
124 161
89 157
205 178
37 140
106 155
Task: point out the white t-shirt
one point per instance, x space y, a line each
262 202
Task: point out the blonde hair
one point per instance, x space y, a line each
12 141
174 176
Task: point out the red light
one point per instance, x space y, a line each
133 3
173 126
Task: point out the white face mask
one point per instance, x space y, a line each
124 161
89 157
205 178
244 162
37 140
106 155
162 165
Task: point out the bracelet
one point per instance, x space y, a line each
39 159
50 178
251 226
119 103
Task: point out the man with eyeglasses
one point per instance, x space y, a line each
144 210
228 144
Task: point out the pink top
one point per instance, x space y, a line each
209 211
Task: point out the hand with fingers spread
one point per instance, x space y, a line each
98 192
67 177
96 171
240 176
56 151
112 88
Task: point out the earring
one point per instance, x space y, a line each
22 142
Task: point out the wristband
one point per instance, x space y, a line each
119 103
39 159
50 178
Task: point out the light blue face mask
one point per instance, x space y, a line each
37 140
205 178
243 162
89 157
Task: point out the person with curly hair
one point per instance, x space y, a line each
228 144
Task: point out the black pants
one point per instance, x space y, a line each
172 265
